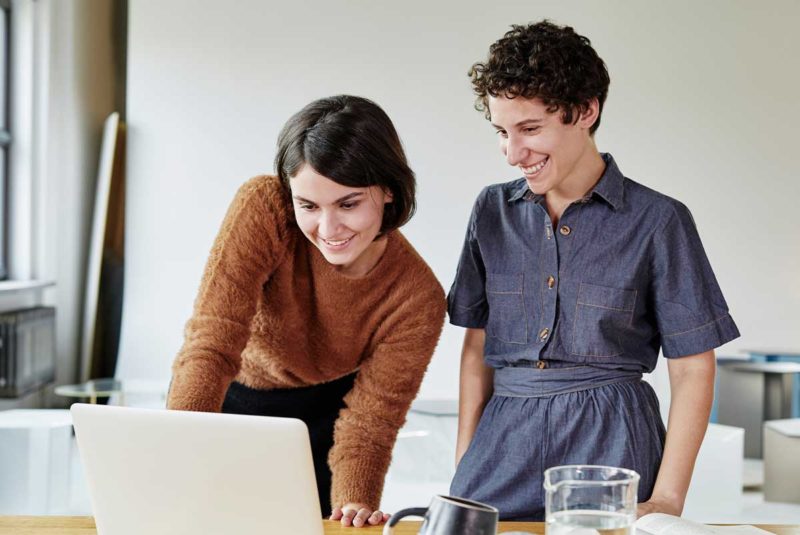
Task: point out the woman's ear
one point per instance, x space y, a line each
590 114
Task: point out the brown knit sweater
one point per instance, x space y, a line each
271 312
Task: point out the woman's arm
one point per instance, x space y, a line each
250 243
691 382
475 388
387 381
376 407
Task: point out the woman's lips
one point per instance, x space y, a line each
535 169
336 245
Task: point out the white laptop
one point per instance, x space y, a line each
154 472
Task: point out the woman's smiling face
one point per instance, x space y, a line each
341 221
548 152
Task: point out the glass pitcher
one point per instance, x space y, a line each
586 500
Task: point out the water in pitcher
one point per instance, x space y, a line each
580 522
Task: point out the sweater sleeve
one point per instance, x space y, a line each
250 243
385 386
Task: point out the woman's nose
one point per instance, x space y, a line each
328 224
514 151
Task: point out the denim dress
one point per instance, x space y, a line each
574 315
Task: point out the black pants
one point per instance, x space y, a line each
318 406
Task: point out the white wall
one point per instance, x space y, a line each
702 106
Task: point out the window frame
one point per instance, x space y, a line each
5 139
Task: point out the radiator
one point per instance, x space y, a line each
27 350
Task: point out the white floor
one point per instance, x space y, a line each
423 465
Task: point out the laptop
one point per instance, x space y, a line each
160 472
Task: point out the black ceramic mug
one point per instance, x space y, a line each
448 515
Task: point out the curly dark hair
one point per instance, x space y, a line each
544 61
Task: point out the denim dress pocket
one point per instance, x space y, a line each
601 314
507 318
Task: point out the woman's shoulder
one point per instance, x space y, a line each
266 198
413 271
259 218
265 190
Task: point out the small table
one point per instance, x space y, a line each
104 388
94 389
773 354
780 355
751 393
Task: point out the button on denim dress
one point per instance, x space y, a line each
574 315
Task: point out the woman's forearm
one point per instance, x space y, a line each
692 393
475 388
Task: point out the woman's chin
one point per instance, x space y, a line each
339 259
335 258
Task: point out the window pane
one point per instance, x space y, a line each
3 67
5 21
3 218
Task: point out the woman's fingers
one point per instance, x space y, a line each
361 517
347 516
356 515
375 518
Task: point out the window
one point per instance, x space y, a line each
5 135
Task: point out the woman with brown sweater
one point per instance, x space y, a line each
314 306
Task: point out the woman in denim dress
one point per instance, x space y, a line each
571 280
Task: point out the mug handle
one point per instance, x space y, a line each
395 518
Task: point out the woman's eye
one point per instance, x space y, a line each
502 133
349 205
307 207
531 130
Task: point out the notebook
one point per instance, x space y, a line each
175 472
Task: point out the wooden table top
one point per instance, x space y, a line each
84 525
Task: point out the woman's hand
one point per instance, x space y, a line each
655 505
358 515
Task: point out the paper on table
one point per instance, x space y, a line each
663 524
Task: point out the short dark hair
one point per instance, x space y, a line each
351 141
544 61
